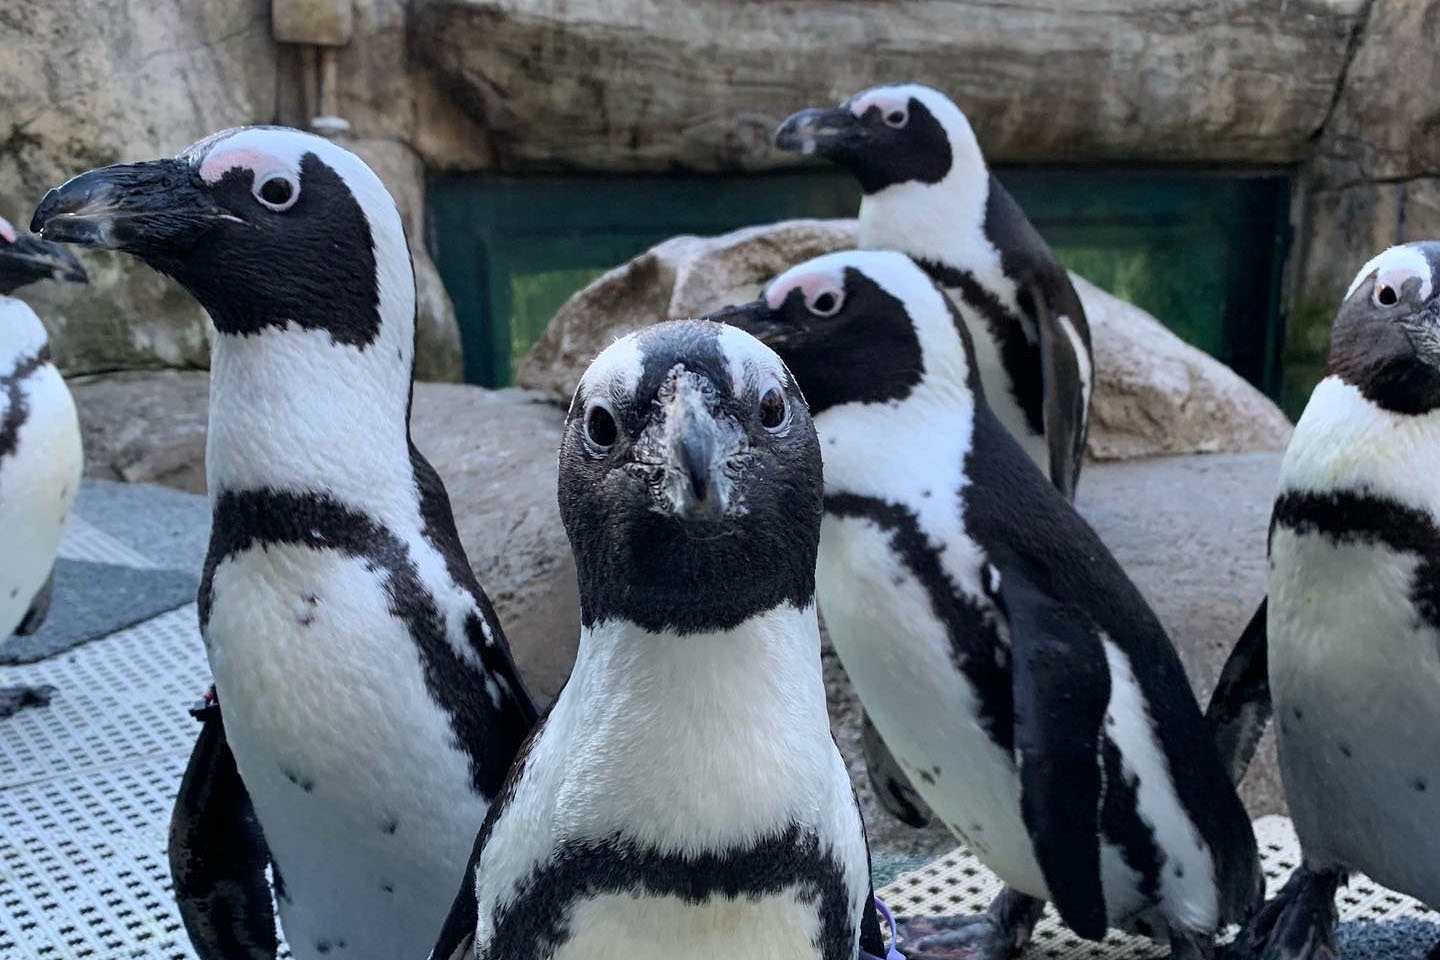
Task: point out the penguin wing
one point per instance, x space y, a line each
1240 707
39 608
892 787
457 936
218 856
1061 685
1064 412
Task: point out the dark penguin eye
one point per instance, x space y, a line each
277 191
1386 295
896 118
773 408
600 428
826 303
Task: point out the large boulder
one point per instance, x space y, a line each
1154 393
638 85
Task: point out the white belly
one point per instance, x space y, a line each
1356 686
38 483
364 801
998 391
782 926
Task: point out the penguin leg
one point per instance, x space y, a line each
1185 945
218 854
1299 924
999 933
15 699
39 608
891 785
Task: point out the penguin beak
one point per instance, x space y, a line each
760 320
140 208
822 132
29 259
696 447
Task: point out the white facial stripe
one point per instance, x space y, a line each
885 98
7 232
749 359
1394 267
616 370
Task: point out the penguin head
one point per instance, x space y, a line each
860 326
690 481
885 136
25 259
1386 338
265 226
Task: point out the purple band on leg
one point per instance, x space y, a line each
892 951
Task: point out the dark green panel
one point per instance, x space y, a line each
1202 252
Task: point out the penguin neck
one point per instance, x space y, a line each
729 728
943 222
22 336
292 410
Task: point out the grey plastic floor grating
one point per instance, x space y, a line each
86 787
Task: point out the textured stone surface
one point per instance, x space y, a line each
1155 394
576 84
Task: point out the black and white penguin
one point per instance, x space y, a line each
683 798
1354 608
370 705
929 194
1025 687
40 450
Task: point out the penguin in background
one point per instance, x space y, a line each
40 450
368 706
1028 692
1354 609
683 797
929 194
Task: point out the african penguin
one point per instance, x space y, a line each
1354 608
40 451
928 193
369 704
683 798
1025 687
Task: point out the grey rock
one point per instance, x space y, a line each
632 85
1154 393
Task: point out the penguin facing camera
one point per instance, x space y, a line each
1028 693
683 798
368 705
40 450
1353 618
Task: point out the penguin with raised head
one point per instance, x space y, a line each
40 451
368 704
928 193
1354 609
683 798
1025 687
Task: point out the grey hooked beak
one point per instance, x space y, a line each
817 131
29 259
139 208
757 319
697 446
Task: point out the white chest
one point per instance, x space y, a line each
364 799
781 926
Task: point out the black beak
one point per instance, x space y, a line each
696 456
697 444
29 259
140 208
757 319
820 132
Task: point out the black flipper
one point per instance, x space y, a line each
1299 924
218 854
1061 683
1064 410
1240 707
39 608
457 936
891 785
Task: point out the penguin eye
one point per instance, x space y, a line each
600 428
277 191
773 409
1386 295
826 303
897 118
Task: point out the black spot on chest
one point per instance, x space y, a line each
17 408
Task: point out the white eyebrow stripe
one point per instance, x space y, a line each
1405 258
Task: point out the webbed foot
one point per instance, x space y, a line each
999 933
